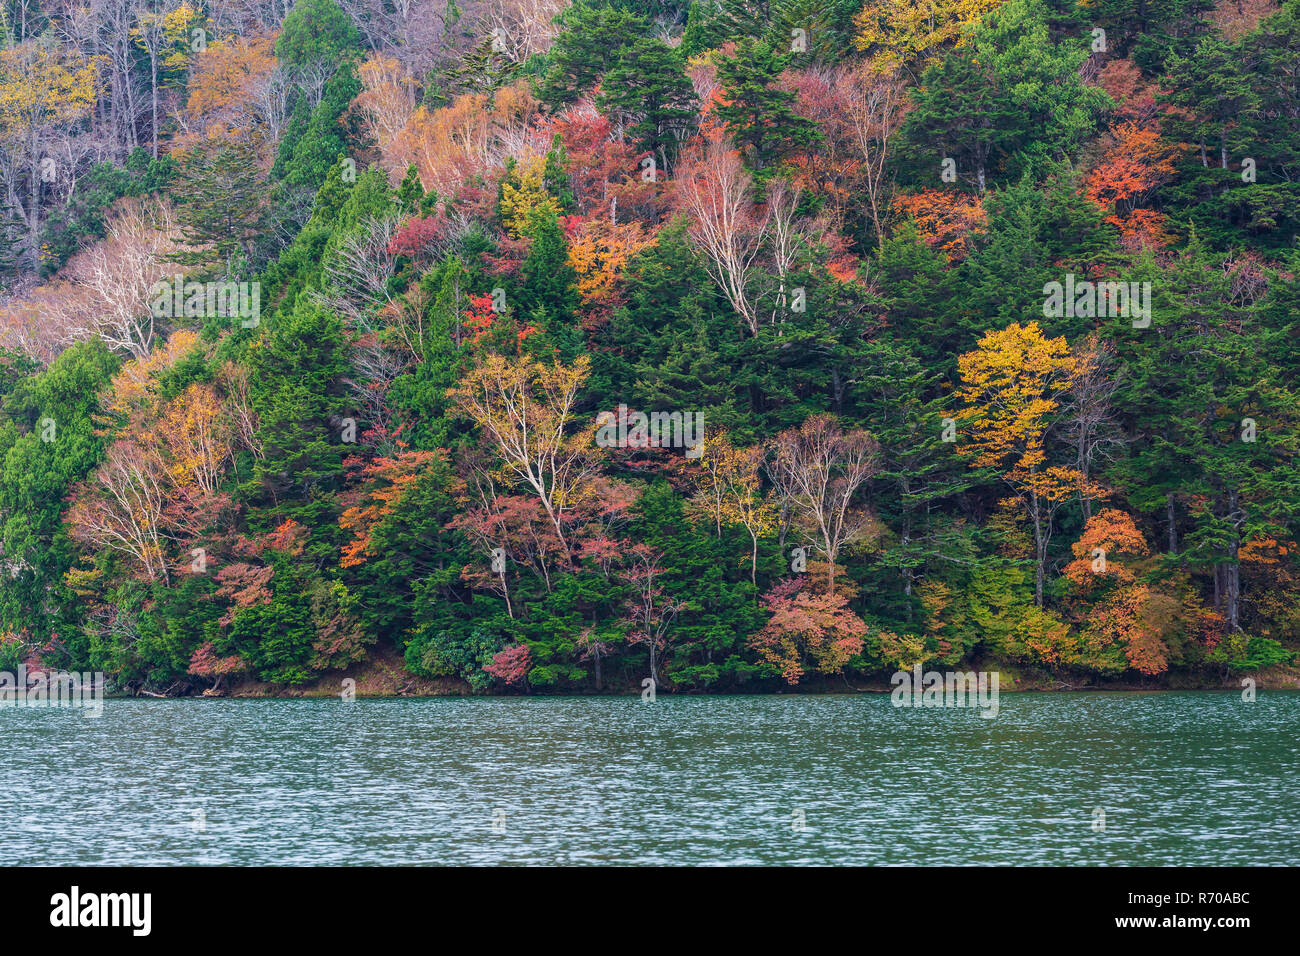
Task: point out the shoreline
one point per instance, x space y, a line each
384 676
424 688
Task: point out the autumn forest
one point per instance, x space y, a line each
529 346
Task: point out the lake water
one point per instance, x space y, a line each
1182 778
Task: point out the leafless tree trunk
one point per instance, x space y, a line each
817 469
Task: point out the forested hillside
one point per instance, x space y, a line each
556 345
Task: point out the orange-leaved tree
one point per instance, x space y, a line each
385 483
599 251
945 218
1118 612
1137 163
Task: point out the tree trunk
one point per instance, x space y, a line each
34 198
753 559
505 590
904 539
1040 553
559 533
153 76
1085 500
830 568
1173 526
1232 571
1232 596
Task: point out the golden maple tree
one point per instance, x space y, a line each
1010 391
904 34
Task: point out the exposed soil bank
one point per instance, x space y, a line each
382 674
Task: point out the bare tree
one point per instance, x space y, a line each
270 102
521 28
120 273
126 511
310 79
151 33
405 318
244 17
30 321
877 105
234 382
359 270
715 190
116 19
817 469
787 235
1087 415
650 608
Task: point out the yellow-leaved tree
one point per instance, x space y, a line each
40 90
196 431
525 199
165 37
728 488
904 34
1010 394
523 408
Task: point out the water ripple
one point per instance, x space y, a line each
1181 778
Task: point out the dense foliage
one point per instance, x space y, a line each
553 346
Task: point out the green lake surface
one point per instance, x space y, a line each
1181 778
